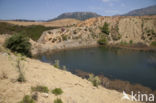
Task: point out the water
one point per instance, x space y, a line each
129 65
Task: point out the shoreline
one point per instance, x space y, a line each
114 84
127 47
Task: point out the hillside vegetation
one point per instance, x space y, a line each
32 31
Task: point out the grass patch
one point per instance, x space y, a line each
32 31
27 99
56 64
40 88
57 91
58 100
153 43
123 43
94 79
131 42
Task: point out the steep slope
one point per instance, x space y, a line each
75 89
123 30
151 10
76 15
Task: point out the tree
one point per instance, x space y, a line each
105 28
19 43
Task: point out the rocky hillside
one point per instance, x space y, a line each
151 10
122 30
76 15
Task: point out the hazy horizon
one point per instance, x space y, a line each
49 9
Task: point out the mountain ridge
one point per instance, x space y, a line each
76 15
150 10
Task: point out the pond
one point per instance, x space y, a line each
134 66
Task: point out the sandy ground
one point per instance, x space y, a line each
76 89
59 23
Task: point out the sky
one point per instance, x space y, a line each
48 9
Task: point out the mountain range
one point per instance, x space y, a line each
151 10
76 15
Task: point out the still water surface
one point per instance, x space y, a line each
129 65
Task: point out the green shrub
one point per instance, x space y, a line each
19 43
64 37
57 91
102 41
94 79
20 66
27 99
131 42
40 88
58 100
21 78
57 64
123 43
105 28
153 43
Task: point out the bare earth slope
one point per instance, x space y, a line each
76 89
62 22
137 30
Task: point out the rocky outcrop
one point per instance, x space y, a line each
122 30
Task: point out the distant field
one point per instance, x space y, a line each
56 23
32 31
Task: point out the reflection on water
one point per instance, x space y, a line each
134 66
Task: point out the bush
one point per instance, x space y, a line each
94 79
64 37
58 100
21 78
27 99
153 43
131 42
57 91
57 64
19 43
123 43
102 41
105 28
40 88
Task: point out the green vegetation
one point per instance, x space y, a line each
105 28
94 79
57 91
57 64
19 43
131 42
64 37
27 99
153 43
33 31
40 88
123 43
58 100
102 41
19 66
